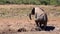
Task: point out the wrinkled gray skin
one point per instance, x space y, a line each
40 17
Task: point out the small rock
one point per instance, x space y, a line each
22 30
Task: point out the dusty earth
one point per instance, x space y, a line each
26 26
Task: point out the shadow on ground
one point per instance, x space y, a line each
48 28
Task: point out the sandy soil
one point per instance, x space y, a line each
12 25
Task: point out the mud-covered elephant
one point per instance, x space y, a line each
40 16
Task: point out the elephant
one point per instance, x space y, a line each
40 16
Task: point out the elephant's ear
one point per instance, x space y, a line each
33 11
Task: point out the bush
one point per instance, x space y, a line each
36 2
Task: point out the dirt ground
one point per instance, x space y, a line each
26 26
12 25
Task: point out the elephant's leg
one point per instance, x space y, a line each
45 21
45 24
40 24
36 23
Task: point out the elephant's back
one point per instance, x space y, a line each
38 10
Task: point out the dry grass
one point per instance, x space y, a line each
7 11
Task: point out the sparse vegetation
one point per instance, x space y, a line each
36 2
20 10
